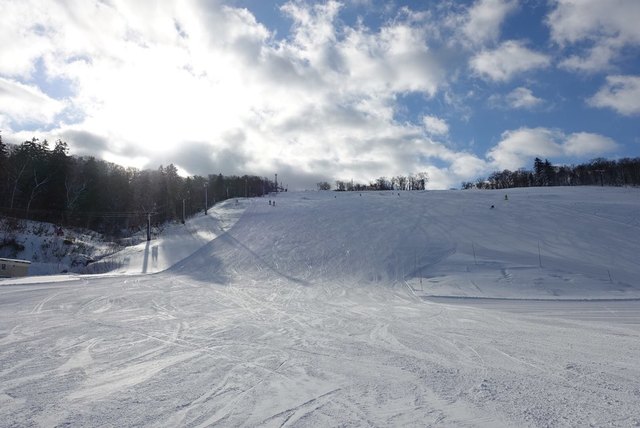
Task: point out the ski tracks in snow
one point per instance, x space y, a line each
279 324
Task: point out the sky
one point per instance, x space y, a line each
326 90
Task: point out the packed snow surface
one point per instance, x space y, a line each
177 241
338 309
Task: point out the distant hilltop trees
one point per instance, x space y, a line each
598 172
43 183
412 182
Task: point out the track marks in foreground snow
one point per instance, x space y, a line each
283 323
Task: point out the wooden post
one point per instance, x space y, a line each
148 226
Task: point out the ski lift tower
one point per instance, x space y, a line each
276 184
206 202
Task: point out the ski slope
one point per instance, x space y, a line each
177 241
418 309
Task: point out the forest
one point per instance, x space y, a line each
44 183
598 172
40 182
416 181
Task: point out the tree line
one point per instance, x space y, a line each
411 182
598 172
45 183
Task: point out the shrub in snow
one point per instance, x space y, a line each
10 248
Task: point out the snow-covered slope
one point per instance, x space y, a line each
177 241
54 258
538 243
312 313
49 249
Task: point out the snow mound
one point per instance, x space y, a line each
176 241
85 252
551 243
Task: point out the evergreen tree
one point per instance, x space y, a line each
538 171
4 155
58 165
549 173
219 188
92 202
173 183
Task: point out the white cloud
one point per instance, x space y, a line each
510 58
466 166
24 104
395 59
523 98
572 21
621 93
519 147
314 27
602 27
210 88
587 144
597 58
435 126
485 18
23 40
149 82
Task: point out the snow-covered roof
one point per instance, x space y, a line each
16 261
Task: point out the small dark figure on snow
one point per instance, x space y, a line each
492 207
506 198
269 201
274 203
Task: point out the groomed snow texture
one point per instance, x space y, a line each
346 309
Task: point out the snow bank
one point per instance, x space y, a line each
177 241
50 249
88 253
